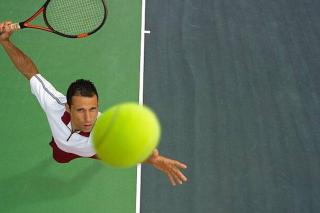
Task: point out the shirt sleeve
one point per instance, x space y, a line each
46 94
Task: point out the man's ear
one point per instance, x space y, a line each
67 108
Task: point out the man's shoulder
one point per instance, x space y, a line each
46 93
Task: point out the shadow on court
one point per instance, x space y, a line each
39 184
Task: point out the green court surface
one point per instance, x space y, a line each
30 181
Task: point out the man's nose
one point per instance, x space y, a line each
87 117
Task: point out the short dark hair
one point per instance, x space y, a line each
81 87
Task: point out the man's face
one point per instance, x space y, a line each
84 112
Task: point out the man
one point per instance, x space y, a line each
72 118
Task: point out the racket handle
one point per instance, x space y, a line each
13 27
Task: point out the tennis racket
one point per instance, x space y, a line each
68 18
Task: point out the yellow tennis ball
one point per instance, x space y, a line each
126 134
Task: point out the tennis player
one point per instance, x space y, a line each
72 117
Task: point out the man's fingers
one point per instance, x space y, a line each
180 175
173 183
176 170
172 169
180 165
1 27
177 179
7 23
5 26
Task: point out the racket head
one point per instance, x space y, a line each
74 18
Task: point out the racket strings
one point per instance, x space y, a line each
74 17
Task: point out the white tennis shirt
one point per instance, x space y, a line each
53 104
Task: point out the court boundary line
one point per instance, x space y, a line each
141 82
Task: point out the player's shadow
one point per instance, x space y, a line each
39 185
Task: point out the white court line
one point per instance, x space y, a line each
143 32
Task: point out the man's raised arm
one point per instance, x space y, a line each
22 62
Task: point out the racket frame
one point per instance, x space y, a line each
27 23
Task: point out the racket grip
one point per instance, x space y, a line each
13 27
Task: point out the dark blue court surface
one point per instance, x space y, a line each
236 86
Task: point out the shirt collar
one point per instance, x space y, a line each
66 118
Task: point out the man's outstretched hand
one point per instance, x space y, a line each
170 167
